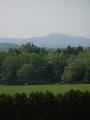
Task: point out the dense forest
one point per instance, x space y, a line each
30 64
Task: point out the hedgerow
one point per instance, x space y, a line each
46 106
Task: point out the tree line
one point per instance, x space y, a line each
30 64
46 106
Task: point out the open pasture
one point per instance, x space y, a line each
58 88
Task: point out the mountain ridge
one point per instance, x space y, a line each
6 46
53 40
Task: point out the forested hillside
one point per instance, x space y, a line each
30 64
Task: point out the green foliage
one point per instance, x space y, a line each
34 65
25 72
8 69
74 71
45 106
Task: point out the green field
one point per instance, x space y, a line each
43 88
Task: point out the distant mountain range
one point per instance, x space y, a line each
6 46
54 40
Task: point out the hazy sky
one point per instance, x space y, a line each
31 18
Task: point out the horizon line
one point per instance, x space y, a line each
49 34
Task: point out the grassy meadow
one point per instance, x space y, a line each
58 88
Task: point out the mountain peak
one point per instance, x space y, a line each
55 35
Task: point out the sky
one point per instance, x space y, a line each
33 18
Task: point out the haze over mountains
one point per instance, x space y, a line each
53 40
6 46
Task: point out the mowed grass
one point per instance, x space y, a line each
43 88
